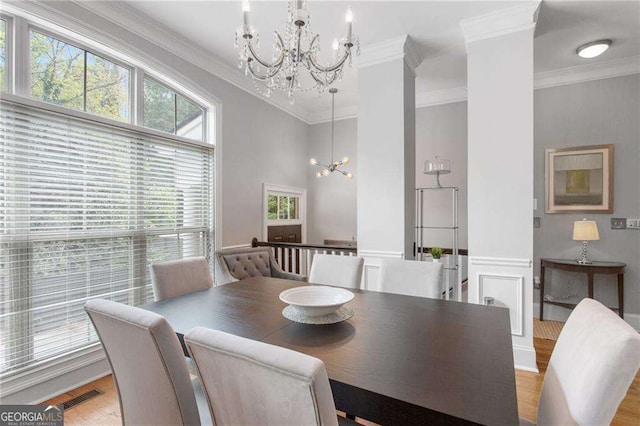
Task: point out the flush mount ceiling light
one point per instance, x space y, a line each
334 166
593 49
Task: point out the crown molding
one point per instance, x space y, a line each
501 22
440 97
342 113
587 72
401 47
125 16
542 80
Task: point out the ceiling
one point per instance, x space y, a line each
434 26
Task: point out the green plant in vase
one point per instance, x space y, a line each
436 252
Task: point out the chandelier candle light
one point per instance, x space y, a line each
297 48
333 167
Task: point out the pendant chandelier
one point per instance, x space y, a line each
333 167
296 49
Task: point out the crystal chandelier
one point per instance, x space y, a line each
333 167
297 48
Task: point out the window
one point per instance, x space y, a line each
3 54
170 112
283 207
86 207
66 75
88 196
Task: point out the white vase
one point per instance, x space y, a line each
436 260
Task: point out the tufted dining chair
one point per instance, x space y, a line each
148 366
591 367
411 278
241 263
178 277
247 382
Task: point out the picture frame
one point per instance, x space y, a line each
579 180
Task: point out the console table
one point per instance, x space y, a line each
591 269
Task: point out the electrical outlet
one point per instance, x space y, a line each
536 222
633 223
618 223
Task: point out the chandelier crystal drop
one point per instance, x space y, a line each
334 166
297 48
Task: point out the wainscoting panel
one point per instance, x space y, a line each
510 282
506 290
371 273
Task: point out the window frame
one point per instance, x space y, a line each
148 76
79 45
21 18
300 193
7 87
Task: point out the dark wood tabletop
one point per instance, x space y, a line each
399 359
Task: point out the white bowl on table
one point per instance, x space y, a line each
316 300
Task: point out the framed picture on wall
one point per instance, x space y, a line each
579 180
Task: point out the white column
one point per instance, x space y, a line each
500 167
386 154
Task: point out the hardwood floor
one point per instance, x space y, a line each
105 410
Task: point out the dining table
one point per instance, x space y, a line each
398 360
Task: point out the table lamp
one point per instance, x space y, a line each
585 231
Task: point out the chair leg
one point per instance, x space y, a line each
350 416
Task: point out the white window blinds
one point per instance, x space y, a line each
84 208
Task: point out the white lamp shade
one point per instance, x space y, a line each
585 230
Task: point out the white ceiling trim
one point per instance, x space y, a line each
542 80
440 97
129 18
396 48
587 72
342 113
501 22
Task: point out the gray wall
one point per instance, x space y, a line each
440 130
260 143
592 113
331 200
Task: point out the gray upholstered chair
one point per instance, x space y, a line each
248 382
411 278
148 366
336 270
238 264
592 365
178 277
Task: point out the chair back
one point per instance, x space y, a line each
336 270
592 365
411 278
148 364
250 382
178 277
247 262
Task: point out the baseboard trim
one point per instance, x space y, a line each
524 358
53 378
